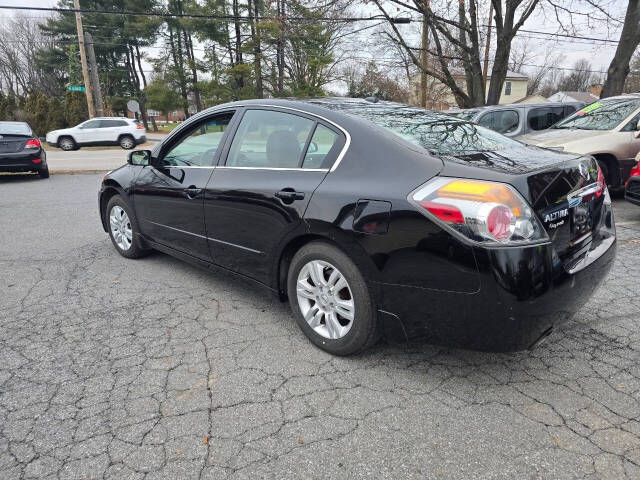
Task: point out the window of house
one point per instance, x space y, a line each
269 139
507 88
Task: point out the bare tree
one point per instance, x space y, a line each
629 41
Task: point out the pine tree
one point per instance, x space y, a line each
55 118
75 108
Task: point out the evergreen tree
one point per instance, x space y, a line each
55 117
75 108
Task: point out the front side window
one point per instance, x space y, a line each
602 115
543 117
199 146
502 121
269 139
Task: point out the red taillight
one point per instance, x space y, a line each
33 143
445 212
499 222
602 183
36 160
140 127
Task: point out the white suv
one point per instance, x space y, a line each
100 131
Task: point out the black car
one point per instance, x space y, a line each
21 150
373 219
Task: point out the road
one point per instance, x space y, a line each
92 159
114 368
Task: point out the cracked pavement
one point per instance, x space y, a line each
114 368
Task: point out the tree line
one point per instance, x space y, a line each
205 52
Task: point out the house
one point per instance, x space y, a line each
513 89
535 98
564 97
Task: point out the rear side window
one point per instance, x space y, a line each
323 143
269 139
542 118
112 123
501 121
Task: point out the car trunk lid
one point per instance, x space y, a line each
12 143
569 201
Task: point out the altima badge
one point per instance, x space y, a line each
550 217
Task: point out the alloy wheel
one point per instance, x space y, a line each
121 227
127 143
325 299
66 144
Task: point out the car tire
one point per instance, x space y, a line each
341 283
44 172
67 144
127 142
123 229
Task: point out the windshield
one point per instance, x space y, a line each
437 133
14 128
604 115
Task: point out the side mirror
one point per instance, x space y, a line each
139 157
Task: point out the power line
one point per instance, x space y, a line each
203 16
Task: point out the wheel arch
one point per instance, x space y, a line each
613 165
111 189
339 239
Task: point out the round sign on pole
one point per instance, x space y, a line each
133 106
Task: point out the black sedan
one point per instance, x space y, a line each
373 219
21 150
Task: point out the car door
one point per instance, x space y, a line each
88 132
110 130
258 194
168 194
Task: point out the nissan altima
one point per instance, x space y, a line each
373 219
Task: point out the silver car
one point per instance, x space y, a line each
520 118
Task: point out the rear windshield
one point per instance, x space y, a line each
14 128
437 133
603 115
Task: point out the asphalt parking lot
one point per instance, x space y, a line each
113 368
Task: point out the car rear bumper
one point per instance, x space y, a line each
22 162
141 140
524 293
632 190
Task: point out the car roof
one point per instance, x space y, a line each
9 122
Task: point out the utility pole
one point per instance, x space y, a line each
424 56
83 59
487 47
93 68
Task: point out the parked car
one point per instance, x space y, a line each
373 219
21 150
100 131
608 129
632 186
520 118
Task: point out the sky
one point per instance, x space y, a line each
598 53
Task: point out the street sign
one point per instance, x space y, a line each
133 106
75 88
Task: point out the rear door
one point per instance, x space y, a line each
258 195
169 194
110 130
